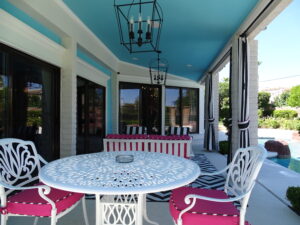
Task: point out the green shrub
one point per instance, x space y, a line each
260 123
224 147
272 123
287 124
298 128
293 195
287 114
260 113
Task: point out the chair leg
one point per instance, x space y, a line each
4 219
36 219
86 220
53 220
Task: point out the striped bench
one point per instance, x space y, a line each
174 145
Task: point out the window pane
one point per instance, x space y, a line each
190 108
140 105
90 116
129 108
4 116
151 109
34 105
172 113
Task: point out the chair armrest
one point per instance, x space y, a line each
188 198
8 186
191 199
42 159
43 190
217 172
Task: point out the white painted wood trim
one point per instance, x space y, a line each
115 102
20 36
163 111
66 24
146 80
139 74
91 73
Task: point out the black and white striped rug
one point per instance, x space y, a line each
212 182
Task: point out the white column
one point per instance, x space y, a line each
201 110
253 90
163 105
234 96
115 102
68 100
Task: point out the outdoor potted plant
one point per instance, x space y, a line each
293 195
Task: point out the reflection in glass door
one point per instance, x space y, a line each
90 116
140 105
29 101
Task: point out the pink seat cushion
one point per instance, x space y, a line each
204 212
29 202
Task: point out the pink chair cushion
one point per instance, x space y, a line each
29 202
204 212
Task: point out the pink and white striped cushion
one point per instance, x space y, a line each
204 212
29 202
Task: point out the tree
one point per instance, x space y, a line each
224 107
294 98
281 100
264 103
224 99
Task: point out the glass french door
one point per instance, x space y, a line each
29 101
140 105
90 116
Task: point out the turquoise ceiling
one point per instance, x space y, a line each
194 31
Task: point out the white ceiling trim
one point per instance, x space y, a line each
58 17
19 35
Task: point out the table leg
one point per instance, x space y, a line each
144 205
97 199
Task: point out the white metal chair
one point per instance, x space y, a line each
19 167
190 206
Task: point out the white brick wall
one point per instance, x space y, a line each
234 95
253 90
68 100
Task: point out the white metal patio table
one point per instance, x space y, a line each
101 174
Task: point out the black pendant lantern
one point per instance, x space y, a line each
139 24
158 69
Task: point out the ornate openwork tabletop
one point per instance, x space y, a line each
99 173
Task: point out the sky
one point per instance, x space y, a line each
279 45
279 49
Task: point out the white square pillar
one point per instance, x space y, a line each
68 104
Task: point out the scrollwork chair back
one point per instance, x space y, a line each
240 180
243 171
19 167
19 162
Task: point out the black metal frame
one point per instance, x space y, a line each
180 105
155 66
139 86
86 109
156 17
10 52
